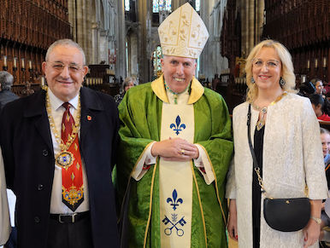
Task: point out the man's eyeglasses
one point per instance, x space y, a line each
60 67
270 64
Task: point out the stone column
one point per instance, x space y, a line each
260 19
143 58
204 57
120 45
72 9
95 43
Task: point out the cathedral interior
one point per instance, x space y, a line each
120 39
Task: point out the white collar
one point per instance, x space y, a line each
56 103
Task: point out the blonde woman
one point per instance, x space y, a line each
283 125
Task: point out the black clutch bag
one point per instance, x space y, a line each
287 214
281 214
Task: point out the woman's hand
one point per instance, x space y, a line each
311 233
312 230
232 221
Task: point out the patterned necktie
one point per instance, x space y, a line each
72 177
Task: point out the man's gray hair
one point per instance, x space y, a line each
6 80
65 42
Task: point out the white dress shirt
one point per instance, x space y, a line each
56 204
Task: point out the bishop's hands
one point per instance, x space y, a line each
175 150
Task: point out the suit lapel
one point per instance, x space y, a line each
36 110
90 107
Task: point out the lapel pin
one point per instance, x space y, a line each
89 118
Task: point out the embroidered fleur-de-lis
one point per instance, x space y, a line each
174 201
177 126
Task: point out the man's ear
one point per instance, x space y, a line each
43 66
85 69
162 63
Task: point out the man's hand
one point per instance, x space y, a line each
175 150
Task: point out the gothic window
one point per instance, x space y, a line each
127 5
197 5
157 55
159 5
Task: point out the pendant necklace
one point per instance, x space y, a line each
175 95
65 158
263 111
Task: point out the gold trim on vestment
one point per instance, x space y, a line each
216 185
138 160
150 203
197 90
199 200
129 180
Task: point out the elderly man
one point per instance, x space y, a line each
6 81
58 151
175 148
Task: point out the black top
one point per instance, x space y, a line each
256 189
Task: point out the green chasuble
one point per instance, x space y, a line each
140 112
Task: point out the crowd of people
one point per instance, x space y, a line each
156 167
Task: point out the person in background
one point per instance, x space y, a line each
326 86
127 84
283 125
318 84
306 89
321 107
6 95
325 140
175 148
58 150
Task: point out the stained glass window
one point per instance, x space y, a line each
155 7
198 5
159 5
157 61
127 6
169 5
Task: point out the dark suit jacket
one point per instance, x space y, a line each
29 164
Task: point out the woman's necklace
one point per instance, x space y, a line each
175 94
263 111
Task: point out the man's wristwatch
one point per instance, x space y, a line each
318 220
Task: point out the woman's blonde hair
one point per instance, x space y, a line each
287 68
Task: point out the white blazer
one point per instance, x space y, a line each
292 157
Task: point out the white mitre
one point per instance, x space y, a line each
183 33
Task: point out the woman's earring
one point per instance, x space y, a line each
282 82
252 80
